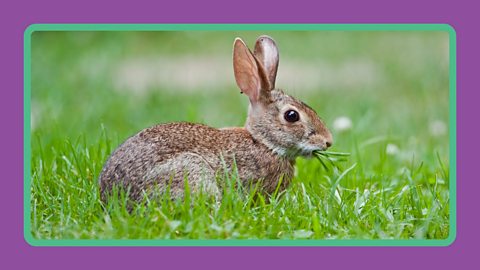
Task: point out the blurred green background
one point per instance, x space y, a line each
389 84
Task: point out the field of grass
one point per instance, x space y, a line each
92 90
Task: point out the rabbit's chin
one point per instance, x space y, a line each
302 150
306 150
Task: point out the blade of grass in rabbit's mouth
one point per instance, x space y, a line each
330 157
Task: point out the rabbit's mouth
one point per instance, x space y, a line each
307 150
300 150
293 153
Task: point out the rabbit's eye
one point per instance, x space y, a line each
291 116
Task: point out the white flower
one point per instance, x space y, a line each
392 149
342 123
438 128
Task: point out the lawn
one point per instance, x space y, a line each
384 96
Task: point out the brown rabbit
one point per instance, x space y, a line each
278 129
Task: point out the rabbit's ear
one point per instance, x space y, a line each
266 52
249 73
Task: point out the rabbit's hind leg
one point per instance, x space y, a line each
172 173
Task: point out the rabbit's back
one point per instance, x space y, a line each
165 155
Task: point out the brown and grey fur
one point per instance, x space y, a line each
264 150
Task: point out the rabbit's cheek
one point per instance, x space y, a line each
296 130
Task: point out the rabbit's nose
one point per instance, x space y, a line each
328 139
328 143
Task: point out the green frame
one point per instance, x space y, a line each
241 27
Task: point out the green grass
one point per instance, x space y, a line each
394 185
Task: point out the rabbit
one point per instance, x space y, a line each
279 128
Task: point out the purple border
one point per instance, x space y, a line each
17 16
